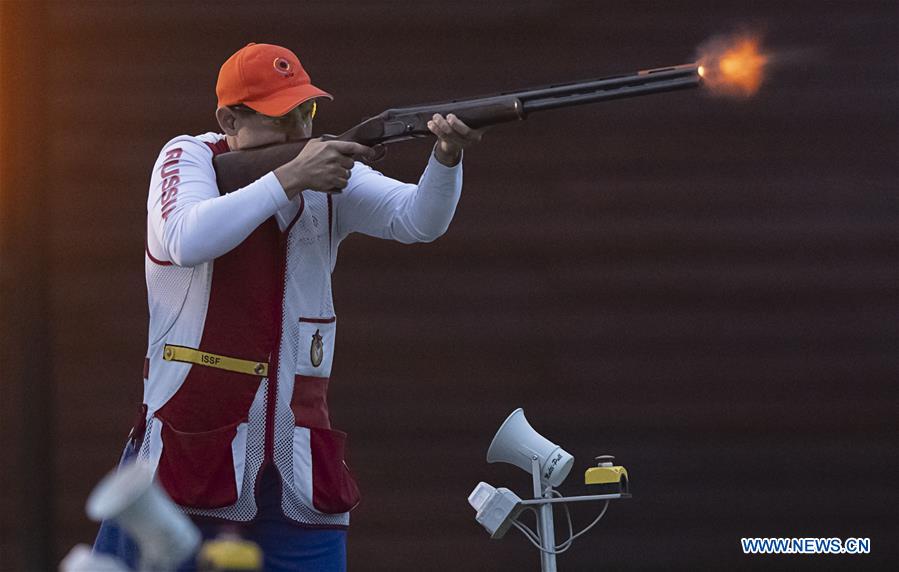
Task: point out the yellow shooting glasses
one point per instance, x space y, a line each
302 112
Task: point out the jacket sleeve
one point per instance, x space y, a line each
189 222
382 207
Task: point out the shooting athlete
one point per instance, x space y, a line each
242 324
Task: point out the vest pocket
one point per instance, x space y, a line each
315 353
203 469
321 475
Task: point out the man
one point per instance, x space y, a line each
242 324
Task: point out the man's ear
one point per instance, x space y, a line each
227 120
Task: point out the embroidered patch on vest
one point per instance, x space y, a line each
316 350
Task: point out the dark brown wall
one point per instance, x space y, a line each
704 288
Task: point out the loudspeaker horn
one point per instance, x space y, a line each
517 442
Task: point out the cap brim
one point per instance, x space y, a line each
280 103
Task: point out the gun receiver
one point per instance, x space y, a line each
239 168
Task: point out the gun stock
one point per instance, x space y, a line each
239 168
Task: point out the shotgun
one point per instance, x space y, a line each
237 169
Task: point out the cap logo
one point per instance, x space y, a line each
283 67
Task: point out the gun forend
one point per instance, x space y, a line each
409 122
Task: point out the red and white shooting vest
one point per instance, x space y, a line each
264 309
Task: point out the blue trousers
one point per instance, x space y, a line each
286 546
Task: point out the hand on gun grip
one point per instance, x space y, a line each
322 166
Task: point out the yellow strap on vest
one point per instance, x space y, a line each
191 355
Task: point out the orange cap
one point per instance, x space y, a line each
266 78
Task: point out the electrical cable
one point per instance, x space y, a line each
521 527
526 529
592 524
528 533
568 518
535 539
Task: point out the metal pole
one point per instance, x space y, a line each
545 520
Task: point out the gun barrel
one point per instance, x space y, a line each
403 123
616 87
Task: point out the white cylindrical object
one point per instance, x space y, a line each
166 536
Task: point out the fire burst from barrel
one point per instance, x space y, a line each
732 65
